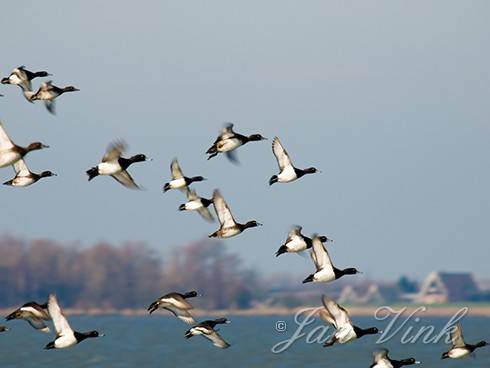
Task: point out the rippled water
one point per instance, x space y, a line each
157 341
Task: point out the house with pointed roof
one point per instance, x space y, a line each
444 287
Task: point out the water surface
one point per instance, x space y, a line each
158 341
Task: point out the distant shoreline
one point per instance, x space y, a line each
474 310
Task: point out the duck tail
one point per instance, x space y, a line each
308 279
212 150
283 249
92 173
153 307
11 316
10 182
188 334
50 346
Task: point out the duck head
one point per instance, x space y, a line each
70 89
371 331
350 271
311 170
94 334
409 361
198 178
36 146
256 137
191 294
46 174
140 158
252 223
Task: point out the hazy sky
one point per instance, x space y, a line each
389 99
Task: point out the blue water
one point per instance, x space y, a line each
158 341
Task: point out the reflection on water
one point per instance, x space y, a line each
157 341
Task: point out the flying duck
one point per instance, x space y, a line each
382 360
338 317
229 140
65 336
207 330
10 153
35 314
459 348
288 172
179 181
325 270
24 177
113 164
229 227
297 242
3 328
22 77
47 92
177 304
196 203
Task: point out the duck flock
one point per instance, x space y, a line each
114 164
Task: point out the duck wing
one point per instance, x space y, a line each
176 300
320 255
114 151
37 324
295 232
191 194
182 314
5 142
227 132
205 214
125 179
50 106
216 339
381 356
60 322
222 210
21 168
175 170
232 156
281 154
338 313
24 76
326 317
35 310
457 336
